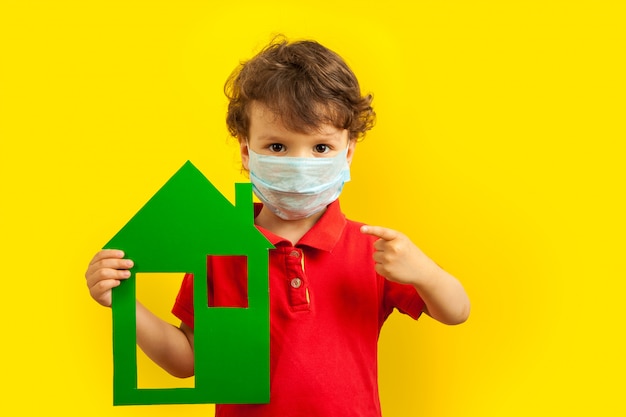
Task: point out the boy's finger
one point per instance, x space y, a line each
107 253
380 232
104 275
115 263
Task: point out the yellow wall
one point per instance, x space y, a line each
499 150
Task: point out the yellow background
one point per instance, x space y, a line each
499 150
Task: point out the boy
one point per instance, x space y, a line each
297 112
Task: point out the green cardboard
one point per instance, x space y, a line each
186 220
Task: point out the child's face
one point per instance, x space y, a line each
268 136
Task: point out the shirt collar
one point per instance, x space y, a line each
324 234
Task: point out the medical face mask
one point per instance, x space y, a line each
296 188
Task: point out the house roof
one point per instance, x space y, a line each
187 219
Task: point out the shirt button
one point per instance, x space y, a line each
294 253
296 283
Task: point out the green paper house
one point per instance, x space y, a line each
186 220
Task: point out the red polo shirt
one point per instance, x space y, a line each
327 306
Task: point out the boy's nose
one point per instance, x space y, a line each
300 152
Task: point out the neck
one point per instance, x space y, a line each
292 230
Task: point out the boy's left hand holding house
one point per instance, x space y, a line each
398 259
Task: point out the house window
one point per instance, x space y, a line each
227 281
157 292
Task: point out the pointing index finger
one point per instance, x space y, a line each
380 232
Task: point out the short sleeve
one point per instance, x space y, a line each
402 297
183 306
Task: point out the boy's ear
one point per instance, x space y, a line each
351 147
245 155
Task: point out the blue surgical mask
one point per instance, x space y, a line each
296 188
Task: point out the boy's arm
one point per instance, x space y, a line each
399 260
168 346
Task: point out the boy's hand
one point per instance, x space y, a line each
399 260
105 271
396 257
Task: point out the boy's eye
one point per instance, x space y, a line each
321 148
277 147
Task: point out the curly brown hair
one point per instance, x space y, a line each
305 84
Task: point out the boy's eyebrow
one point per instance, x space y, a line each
270 138
319 135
